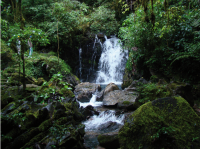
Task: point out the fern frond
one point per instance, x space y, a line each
182 57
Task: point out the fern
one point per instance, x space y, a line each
182 57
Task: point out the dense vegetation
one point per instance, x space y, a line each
163 40
166 34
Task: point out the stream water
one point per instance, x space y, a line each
110 69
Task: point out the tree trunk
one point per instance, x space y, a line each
58 43
22 45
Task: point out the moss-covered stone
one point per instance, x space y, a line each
35 139
45 125
109 140
10 107
40 81
126 102
163 123
127 79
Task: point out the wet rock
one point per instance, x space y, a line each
89 111
8 108
100 96
51 144
108 127
71 79
81 130
110 87
50 109
123 98
83 91
159 124
91 140
109 140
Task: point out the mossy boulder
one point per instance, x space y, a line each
109 140
162 123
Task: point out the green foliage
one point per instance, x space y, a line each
55 87
38 36
103 20
130 61
167 41
41 64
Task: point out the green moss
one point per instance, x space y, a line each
126 102
77 79
35 139
10 106
175 123
66 92
62 121
104 139
152 91
45 125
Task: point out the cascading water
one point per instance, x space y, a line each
92 102
112 62
102 118
111 68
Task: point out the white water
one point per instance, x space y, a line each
92 102
112 62
94 122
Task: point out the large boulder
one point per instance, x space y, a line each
122 99
83 91
162 123
110 87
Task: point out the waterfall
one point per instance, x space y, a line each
112 62
80 59
92 102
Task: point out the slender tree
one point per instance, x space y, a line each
22 22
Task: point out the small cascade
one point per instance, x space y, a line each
92 102
102 118
80 65
112 62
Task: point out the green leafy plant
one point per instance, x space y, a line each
53 88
